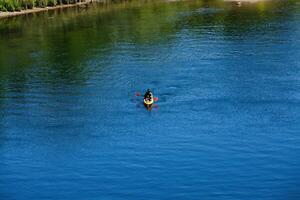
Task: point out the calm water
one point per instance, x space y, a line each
226 126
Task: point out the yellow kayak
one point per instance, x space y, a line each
148 102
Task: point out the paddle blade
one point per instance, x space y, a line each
137 94
155 98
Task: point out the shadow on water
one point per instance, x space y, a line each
66 39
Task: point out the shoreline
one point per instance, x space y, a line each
36 10
244 1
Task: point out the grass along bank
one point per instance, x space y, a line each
19 5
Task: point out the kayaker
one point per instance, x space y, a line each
148 95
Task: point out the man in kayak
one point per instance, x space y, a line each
148 95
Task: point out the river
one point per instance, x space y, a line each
226 124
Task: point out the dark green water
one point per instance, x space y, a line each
226 125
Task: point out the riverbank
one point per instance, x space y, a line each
38 9
244 1
84 3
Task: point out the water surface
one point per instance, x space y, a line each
227 121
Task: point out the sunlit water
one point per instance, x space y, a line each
226 126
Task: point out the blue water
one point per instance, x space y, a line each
226 125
